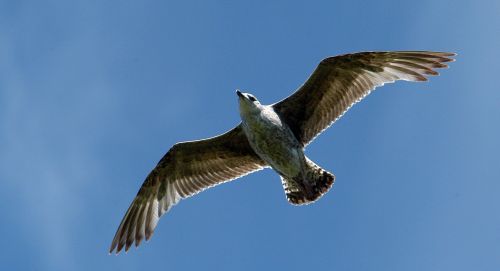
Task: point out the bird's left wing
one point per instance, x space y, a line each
187 169
339 82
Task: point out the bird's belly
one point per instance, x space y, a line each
277 147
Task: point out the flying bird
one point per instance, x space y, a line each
271 136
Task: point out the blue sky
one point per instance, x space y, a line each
93 93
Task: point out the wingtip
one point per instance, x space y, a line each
149 233
138 242
113 252
128 244
112 248
446 53
148 237
116 250
119 248
448 56
431 72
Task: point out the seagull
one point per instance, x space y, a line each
271 136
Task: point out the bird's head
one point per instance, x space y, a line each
248 102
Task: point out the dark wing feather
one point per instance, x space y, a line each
187 169
339 82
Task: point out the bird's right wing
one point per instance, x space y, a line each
339 82
187 169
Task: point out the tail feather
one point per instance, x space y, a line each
308 187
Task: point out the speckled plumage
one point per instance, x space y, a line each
271 136
272 140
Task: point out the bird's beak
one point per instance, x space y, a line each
238 92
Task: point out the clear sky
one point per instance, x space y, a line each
93 93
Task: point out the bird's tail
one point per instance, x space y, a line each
308 187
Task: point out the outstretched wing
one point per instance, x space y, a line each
339 82
187 169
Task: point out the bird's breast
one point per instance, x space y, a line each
274 142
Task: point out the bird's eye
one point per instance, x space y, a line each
252 98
